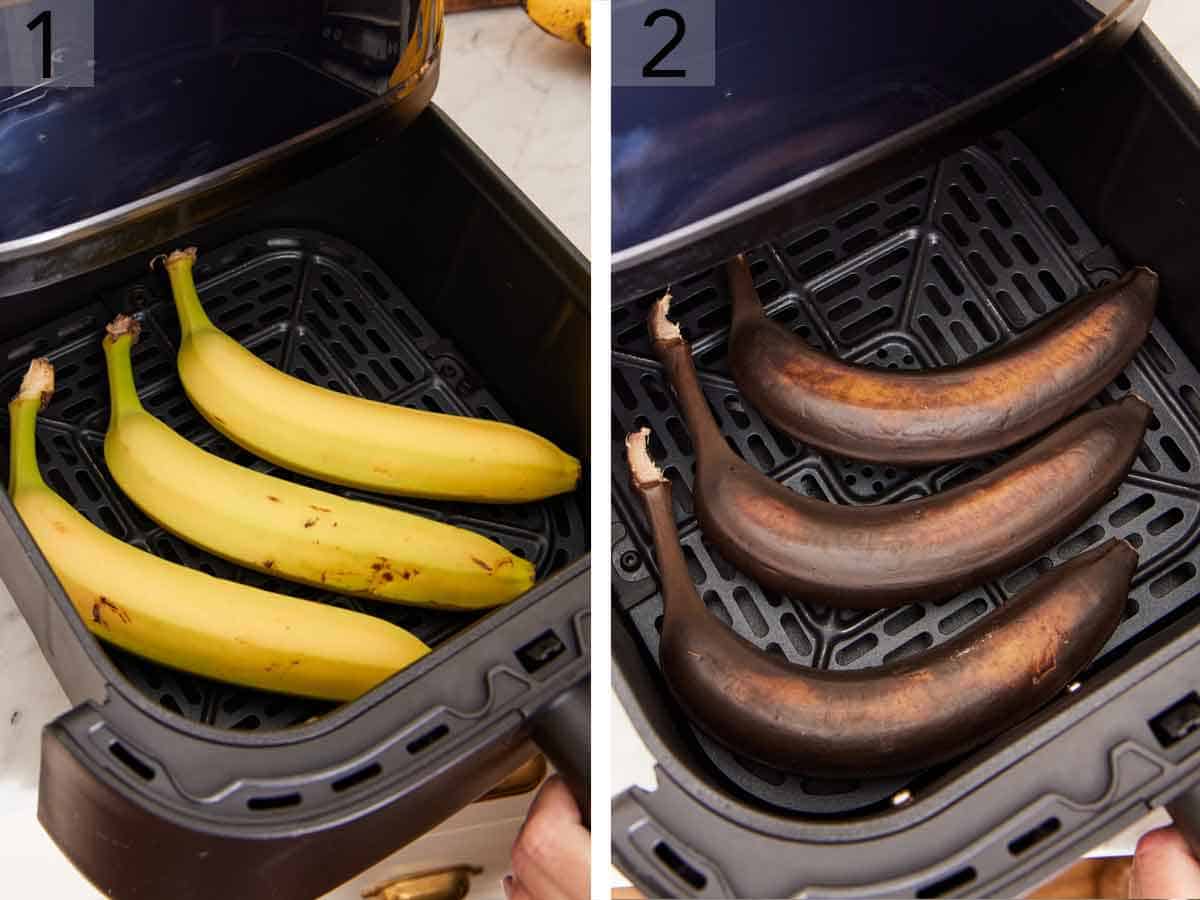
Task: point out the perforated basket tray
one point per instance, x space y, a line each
317 308
929 271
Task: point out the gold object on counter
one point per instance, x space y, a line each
451 883
521 780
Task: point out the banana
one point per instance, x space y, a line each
570 20
185 618
900 717
348 440
289 530
920 418
869 557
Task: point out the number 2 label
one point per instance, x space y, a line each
650 69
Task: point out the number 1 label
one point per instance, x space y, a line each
47 42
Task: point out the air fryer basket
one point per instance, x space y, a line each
382 276
943 264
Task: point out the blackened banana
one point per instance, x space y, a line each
896 718
920 418
867 557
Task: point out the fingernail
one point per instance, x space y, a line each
507 882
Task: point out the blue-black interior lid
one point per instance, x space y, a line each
802 86
182 89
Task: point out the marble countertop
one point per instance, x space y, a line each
524 98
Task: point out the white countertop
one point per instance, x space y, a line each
1177 24
524 98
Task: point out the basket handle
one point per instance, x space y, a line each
562 729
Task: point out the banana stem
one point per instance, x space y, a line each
192 317
23 471
122 392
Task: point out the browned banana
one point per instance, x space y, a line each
897 718
867 557
920 418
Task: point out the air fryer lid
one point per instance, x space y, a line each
183 90
808 91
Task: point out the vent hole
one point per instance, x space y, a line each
949 884
808 242
1025 249
911 647
885 262
1057 294
858 216
1182 463
542 650
354 779
935 337
955 230
1167 520
952 282
964 203
279 801
864 326
754 618
682 870
861 241
895 195
1177 577
1177 721
1009 307
902 219
1031 184
1034 836
1158 355
982 325
999 213
817 264
961 616
428 739
903 620
836 289
131 762
1061 225
856 649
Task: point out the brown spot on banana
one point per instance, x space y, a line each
870 557
320 508
273 499
309 523
899 717
120 611
993 401
483 565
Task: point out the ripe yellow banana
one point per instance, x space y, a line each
289 530
348 440
570 20
185 618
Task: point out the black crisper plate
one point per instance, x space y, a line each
321 310
930 271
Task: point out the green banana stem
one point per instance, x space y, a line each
118 344
192 317
36 389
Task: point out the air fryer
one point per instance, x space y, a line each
353 236
956 250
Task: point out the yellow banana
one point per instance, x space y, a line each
185 618
348 440
289 530
570 20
